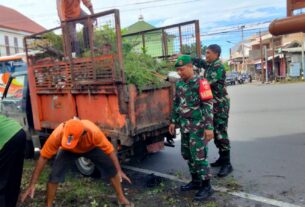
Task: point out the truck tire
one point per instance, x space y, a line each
87 168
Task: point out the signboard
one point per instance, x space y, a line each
258 66
295 69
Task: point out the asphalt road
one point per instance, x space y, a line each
267 131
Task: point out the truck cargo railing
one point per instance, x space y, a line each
79 55
164 42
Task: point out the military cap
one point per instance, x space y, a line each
183 60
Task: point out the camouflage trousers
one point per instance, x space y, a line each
195 151
221 138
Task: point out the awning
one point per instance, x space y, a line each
293 49
269 58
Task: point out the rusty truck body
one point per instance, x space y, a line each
62 85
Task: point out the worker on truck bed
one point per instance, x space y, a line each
194 117
71 140
70 9
12 147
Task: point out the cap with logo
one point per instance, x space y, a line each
73 129
183 60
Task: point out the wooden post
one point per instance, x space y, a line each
198 43
180 39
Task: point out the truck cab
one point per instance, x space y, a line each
15 103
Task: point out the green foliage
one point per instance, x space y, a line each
139 70
142 69
144 50
191 49
203 49
210 204
53 40
105 35
227 67
127 47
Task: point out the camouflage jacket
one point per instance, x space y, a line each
216 75
189 112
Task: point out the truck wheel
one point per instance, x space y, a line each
86 167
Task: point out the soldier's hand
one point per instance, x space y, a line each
172 129
209 135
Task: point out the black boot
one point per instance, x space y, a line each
226 167
195 184
219 161
205 191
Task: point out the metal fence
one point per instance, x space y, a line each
165 42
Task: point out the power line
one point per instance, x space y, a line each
225 32
123 6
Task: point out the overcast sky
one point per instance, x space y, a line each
214 15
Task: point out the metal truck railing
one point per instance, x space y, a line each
79 55
165 42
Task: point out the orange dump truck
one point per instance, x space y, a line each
63 83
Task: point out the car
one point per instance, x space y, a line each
230 80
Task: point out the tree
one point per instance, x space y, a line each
192 49
226 65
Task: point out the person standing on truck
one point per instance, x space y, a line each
71 140
12 152
194 117
216 75
70 9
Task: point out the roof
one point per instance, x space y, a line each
12 19
138 27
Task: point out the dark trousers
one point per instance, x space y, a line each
64 160
11 166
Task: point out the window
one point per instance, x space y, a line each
15 90
16 45
7 45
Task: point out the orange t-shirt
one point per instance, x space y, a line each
92 139
70 9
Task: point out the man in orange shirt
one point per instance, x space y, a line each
70 9
70 140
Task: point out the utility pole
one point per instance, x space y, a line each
303 59
266 62
242 46
230 58
273 66
262 58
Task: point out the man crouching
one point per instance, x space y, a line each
71 140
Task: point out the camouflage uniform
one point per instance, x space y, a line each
216 75
193 116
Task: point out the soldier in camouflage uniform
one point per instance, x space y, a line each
216 75
194 117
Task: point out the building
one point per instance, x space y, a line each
239 56
152 42
284 55
14 26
